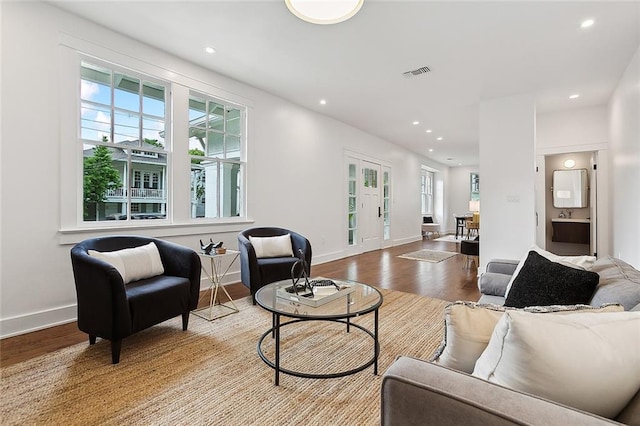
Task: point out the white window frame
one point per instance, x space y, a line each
72 229
427 179
221 161
132 151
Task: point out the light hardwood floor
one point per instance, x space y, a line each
447 280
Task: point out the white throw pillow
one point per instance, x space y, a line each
133 263
578 262
590 362
469 326
279 246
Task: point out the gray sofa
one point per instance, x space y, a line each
417 392
619 282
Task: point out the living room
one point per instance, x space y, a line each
295 156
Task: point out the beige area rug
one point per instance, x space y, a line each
428 255
211 374
450 238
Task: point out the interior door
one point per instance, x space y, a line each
593 206
540 203
371 207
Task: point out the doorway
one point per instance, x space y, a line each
561 230
369 207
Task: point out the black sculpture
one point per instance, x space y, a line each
207 248
299 271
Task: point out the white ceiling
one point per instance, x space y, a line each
476 51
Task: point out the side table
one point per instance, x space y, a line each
216 274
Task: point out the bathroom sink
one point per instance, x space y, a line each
570 220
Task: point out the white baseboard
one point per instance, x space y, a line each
27 323
407 240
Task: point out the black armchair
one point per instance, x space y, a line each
257 272
109 309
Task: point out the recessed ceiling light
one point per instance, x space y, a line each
587 23
574 96
459 164
430 149
323 102
439 138
415 123
210 50
429 130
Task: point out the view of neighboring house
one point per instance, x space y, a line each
143 184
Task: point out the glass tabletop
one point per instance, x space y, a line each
360 299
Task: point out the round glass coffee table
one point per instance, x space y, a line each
361 299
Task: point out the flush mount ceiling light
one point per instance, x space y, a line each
324 11
574 96
429 131
210 50
569 163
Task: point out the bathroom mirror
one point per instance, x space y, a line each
570 188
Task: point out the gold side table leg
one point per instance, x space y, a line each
215 277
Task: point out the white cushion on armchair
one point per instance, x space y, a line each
133 263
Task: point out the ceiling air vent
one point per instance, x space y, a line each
421 70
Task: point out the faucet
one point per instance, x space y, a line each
569 211
561 215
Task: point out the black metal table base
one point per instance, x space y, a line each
275 333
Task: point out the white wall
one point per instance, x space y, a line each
507 164
294 179
624 119
564 131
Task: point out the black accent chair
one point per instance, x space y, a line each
471 250
257 272
109 309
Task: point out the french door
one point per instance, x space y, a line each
371 212
368 219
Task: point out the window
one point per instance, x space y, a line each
386 197
475 187
123 134
426 188
216 139
127 140
352 219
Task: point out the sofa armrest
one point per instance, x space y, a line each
502 266
416 392
493 284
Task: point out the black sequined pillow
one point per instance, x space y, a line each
542 282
